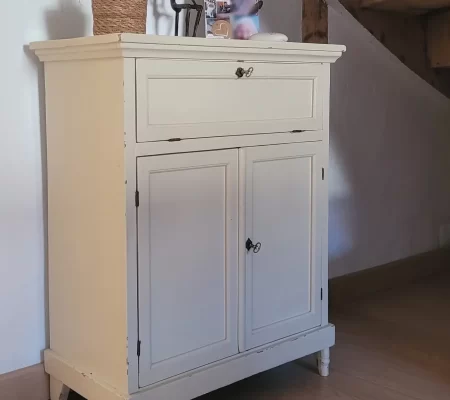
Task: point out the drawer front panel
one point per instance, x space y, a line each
193 99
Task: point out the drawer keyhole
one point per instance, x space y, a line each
241 72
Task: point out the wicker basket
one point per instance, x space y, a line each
119 16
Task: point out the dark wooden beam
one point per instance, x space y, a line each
315 21
438 39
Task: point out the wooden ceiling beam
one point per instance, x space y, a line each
315 21
438 40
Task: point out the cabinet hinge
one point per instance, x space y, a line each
136 198
323 174
321 294
139 348
175 140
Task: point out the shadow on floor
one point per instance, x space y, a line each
75 396
390 346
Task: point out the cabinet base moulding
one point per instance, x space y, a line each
197 382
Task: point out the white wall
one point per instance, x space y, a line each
22 255
390 154
283 16
389 137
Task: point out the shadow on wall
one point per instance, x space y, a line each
389 164
39 68
70 19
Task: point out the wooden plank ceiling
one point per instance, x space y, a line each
432 15
410 6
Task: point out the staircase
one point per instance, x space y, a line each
416 31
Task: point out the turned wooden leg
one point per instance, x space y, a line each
323 362
58 391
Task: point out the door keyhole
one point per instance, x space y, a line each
256 247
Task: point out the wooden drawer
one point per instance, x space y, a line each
207 99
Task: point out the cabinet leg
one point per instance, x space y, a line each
58 391
323 362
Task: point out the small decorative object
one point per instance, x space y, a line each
236 19
222 29
269 37
188 7
119 16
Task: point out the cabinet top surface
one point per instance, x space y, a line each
135 45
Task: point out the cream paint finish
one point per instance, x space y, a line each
188 261
191 385
22 121
282 282
292 93
86 220
129 86
22 231
227 142
188 294
181 48
23 310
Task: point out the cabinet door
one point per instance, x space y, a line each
280 284
188 262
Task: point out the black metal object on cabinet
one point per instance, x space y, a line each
188 7
254 10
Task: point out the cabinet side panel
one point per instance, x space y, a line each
132 273
86 217
324 202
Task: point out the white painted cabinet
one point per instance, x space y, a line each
188 253
187 212
283 97
281 278
188 261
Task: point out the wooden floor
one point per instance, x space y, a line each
391 346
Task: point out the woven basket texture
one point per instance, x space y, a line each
119 16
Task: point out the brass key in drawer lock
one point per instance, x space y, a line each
241 72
